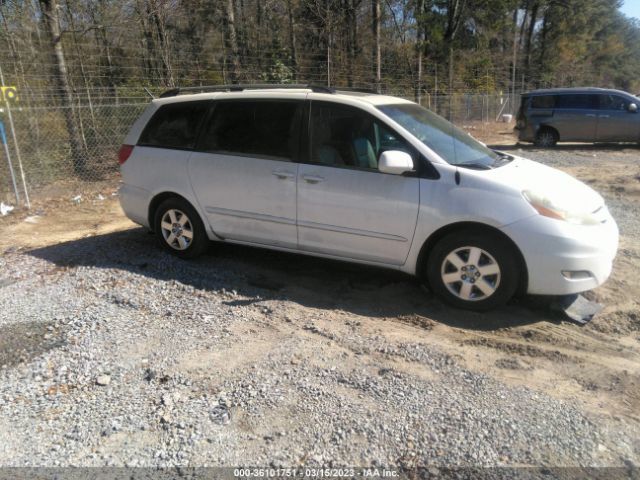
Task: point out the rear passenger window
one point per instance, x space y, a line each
577 101
174 125
543 101
262 129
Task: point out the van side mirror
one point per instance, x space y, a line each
395 162
633 108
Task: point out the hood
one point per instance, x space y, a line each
524 174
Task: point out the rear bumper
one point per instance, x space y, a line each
563 258
135 203
527 133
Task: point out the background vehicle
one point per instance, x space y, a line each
365 178
578 115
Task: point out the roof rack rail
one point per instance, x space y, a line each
356 89
239 87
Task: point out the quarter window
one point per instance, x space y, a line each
266 129
543 101
174 125
348 137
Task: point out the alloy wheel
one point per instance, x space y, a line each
177 229
470 273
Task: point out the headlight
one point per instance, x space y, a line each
557 208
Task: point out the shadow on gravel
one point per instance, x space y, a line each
259 275
567 147
22 342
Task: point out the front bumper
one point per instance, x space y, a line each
551 247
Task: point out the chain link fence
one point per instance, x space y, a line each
45 154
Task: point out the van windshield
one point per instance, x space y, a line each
452 144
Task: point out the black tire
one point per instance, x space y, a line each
467 294
546 138
185 248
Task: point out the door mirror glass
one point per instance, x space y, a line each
633 108
395 162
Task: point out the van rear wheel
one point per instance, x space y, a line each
546 138
179 228
474 271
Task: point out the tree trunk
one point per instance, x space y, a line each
232 40
50 15
528 44
543 46
103 43
455 9
292 41
375 29
352 40
163 42
418 87
420 47
149 47
450 114
514 61
83 73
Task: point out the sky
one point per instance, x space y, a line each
631 8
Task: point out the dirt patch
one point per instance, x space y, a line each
61 212
524 350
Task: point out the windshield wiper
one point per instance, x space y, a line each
502 159
473 166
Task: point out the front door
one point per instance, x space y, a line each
615 122
244 174
346 207
576 117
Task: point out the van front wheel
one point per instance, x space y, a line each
474 271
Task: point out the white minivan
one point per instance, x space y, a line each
366 178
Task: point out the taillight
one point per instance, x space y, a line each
124 153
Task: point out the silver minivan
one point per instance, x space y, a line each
365 178
578 115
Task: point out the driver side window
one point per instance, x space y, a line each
614 102
344 136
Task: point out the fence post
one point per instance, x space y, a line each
15 143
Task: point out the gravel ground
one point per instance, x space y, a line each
115 353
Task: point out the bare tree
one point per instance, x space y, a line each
231 39
376 54
49 10
293 50
455 10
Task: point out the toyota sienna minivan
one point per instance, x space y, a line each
365 178
556 115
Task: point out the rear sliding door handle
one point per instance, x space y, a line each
312 179
591 114
282 174
604 116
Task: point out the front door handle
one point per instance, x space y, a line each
604 116
591 115
312 179
281 174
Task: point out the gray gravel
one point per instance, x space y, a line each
120 354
